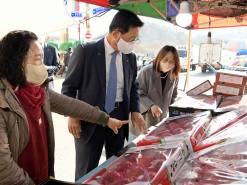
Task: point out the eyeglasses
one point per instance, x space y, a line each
132 41
136 40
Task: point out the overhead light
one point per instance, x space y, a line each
184 17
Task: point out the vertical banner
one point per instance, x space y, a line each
74 9
88 31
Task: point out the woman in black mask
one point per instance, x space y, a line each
158 85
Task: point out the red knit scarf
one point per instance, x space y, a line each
34 158
32 99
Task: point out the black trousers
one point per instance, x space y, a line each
88 155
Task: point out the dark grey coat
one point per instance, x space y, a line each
150 91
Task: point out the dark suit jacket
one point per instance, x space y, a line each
50 59
50 56
86 80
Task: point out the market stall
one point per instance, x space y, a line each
165 157
214 126
195 147
191 143
205 13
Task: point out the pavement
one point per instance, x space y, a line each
64 144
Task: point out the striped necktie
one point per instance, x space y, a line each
112 85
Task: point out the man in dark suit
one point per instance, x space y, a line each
103 74
51 62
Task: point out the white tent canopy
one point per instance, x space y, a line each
39 16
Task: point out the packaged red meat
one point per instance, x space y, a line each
143 165
224 165
223 121
221 131
201 102
186 127
199 133
229 103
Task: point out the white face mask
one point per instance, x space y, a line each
125 47
165 67
36 74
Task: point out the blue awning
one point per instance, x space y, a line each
242 52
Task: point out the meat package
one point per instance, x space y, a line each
223 121
224 165
153 164
201 102
190 128
227 127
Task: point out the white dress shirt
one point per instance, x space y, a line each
119 64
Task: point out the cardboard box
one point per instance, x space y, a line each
226 89
199 89
229 103
231 78
245 91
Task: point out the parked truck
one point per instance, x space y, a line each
183 57
209 56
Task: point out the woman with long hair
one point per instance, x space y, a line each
158 85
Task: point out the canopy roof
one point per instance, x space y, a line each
206 13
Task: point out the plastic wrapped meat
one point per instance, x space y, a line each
224 165
138 166
228 127
223 121
202 102
178 128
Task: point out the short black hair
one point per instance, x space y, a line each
124 20
13 50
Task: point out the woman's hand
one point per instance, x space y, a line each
156 111
138 122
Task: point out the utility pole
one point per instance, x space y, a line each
88 34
